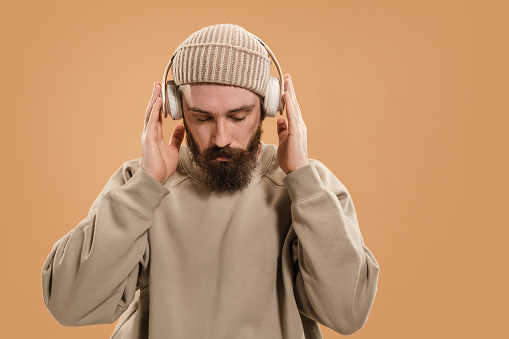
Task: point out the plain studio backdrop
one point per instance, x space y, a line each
405 101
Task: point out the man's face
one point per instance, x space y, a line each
223 131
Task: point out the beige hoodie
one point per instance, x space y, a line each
179 261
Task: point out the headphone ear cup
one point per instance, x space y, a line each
272 97
173 104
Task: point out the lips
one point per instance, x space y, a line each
222 159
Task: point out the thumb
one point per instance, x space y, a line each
282 129
178 136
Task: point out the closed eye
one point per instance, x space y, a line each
202 120
236 119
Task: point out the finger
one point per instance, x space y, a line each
295 122
292 91
178 136
159 124
152 99
154 114
155 93
150 104
290 111
282 130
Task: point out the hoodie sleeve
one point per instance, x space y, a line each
91 274
336 275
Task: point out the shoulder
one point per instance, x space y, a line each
329 179
275 174
130 167
125 171
132 164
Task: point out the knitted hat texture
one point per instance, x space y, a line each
224 54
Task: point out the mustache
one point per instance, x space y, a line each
228 152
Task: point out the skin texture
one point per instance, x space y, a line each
219 133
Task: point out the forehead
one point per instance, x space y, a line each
209 96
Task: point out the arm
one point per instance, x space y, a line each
336 275
91 274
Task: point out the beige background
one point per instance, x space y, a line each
405 101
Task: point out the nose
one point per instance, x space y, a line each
221 136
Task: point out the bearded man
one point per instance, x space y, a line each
225 237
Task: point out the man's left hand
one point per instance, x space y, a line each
292 152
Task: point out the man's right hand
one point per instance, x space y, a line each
159 159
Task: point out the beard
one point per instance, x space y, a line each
226 176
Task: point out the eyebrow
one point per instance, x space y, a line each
241 108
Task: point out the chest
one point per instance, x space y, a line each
217 236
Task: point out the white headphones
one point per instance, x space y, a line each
272 101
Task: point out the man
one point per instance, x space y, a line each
226 237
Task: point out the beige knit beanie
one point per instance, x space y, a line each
225 54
